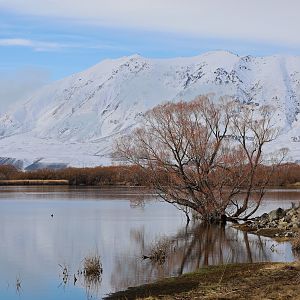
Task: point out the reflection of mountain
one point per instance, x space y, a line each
199 245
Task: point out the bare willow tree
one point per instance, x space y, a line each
204 156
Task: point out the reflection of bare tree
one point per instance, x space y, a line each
199 245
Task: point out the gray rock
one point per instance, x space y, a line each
289 234
273 224
263 217
276 214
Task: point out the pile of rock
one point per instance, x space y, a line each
280 222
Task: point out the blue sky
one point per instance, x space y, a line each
51 39
63 48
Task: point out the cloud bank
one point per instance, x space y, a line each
18 85
274 21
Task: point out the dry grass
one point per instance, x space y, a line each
92 266
34 182
159 251
92 273
240 281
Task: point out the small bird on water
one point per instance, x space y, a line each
51 215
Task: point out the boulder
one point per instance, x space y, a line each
289 234
264 216
276 214
297 224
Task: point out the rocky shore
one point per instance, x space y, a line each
277 223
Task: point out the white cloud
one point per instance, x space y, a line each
36 45
17 85
261 20
15 42
49 46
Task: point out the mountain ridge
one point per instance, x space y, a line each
74 120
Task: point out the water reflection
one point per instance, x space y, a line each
18 286
135 195
88 277
121 228
190 249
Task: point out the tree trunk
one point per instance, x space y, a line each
214 218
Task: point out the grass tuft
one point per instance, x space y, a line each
92 266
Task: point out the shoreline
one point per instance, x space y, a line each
65 182
234 281
265 280
279 224
32 182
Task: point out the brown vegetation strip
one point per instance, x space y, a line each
287 175
34 182
100 176
239 281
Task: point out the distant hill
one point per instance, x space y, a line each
73 121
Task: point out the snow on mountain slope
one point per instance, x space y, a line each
74 120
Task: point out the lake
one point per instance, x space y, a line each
119 225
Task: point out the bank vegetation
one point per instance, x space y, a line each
284 176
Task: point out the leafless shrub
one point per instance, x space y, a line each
159 251
205 155
92 266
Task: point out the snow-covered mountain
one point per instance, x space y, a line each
73 121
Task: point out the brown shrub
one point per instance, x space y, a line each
283 175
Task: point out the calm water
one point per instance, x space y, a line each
89 221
